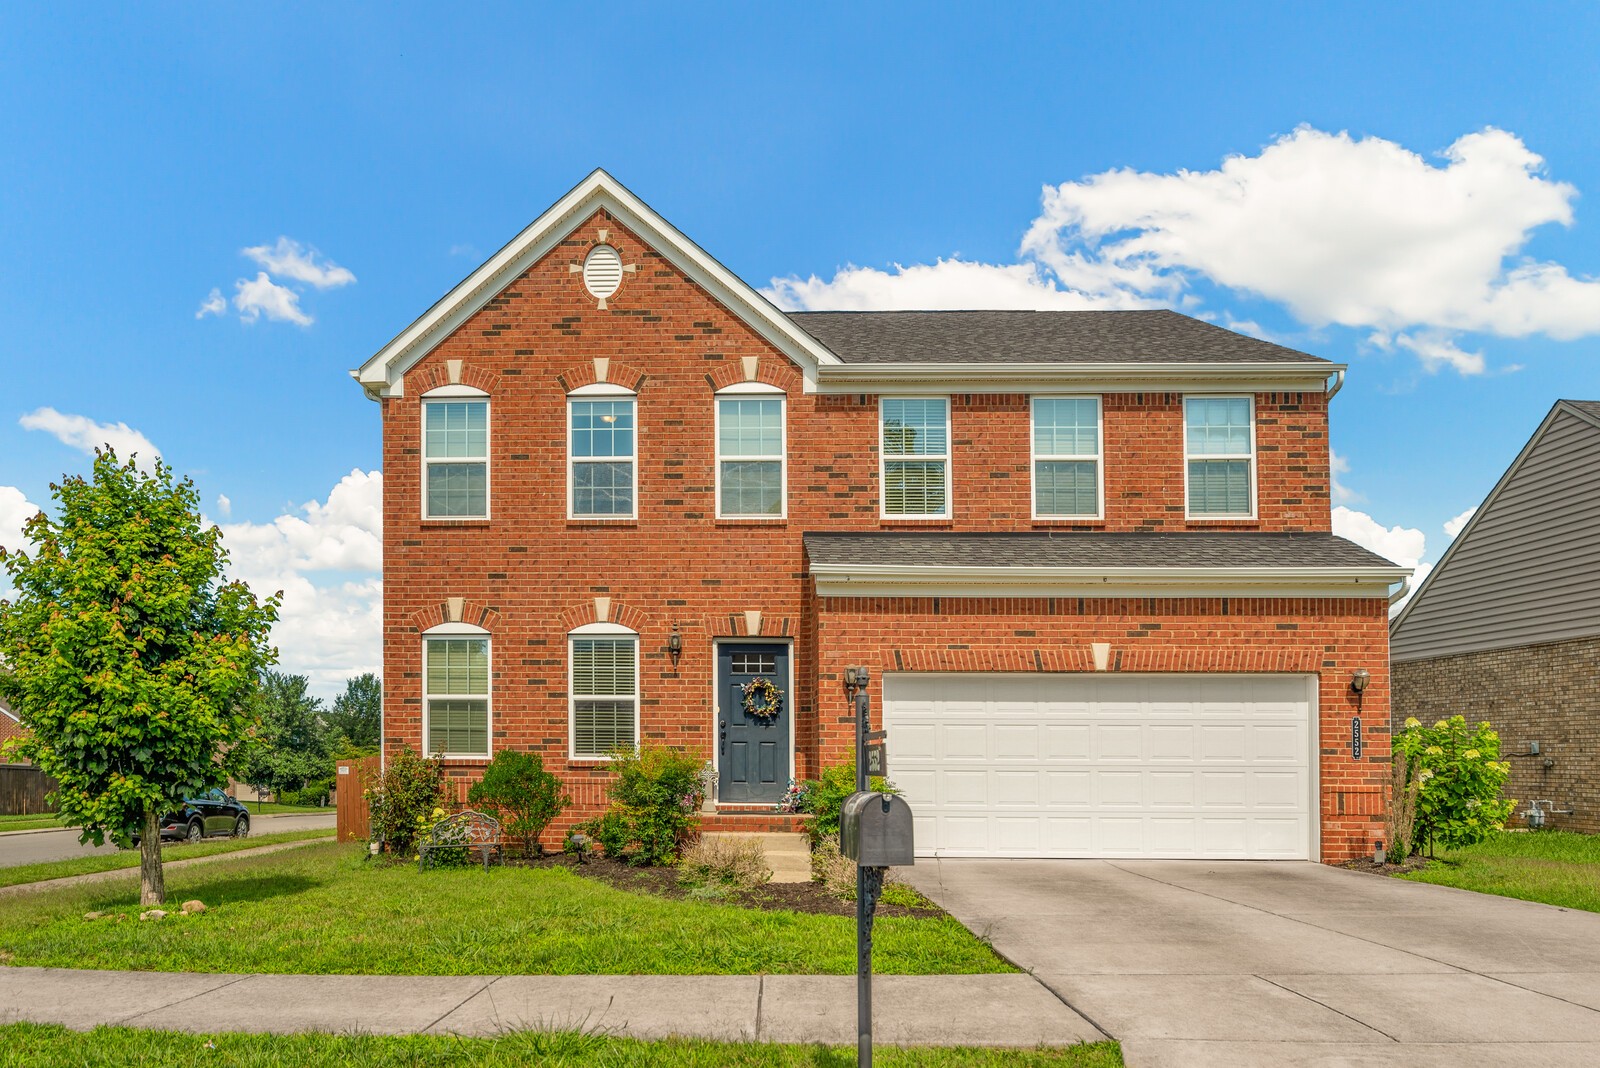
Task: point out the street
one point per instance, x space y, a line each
33 848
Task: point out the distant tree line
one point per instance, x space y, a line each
299 740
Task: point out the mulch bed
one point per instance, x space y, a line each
663 882
1411 863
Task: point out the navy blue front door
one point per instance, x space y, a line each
752 751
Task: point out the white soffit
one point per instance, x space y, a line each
382 375
845 580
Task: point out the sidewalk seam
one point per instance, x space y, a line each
761 993
1325 1005
443 1016
124 1021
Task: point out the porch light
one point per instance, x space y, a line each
675 645
1359 680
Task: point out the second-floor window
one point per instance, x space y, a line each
455 458
916 457
1066 457
750 455
603 463
1219 457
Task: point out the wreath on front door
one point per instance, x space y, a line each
762 700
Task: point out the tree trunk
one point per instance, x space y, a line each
152 886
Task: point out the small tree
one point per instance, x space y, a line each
403 798
357 714
1458 780
290 747
128 656
522 794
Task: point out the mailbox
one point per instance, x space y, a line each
875 830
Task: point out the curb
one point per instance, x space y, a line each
36 830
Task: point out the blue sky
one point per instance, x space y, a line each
841 155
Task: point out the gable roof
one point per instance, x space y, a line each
1010 337
382 374
1524 570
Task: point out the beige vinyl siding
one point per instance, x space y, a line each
1527 568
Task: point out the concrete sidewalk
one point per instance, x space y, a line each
939 1010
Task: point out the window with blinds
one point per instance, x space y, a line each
1066 457
601 436
605 694
750 455
1219 450
916 457
455 459
456 688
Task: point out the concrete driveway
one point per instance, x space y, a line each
1197 963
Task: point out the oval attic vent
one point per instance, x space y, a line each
602 271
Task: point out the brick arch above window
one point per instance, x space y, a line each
471 612
617 373
437 374
770 371
587 612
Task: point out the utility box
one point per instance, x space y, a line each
875 830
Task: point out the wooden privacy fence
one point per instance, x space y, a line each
354 776
23 789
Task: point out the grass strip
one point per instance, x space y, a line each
129 858
323 910
35 1044
38 821
1553 867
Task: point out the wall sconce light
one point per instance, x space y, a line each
675 645
1358 684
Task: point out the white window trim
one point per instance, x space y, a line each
441 632
439 396
1099 458
455 391
1212 517
948 458
593 392
593 630
753 391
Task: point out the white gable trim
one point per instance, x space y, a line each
382 375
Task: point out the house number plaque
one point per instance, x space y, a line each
1355 737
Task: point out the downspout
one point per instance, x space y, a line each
1333 391
1405 588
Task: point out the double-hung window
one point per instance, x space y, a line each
604 693
603 462
456 693
1066 458
1219 456
750 454
915 449
455 455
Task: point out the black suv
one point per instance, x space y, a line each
212 813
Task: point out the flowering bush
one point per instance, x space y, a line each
1455 770
797 798
654 800
402 798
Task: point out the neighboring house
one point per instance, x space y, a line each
1507 628
1085 555
10 727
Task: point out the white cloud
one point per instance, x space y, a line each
1404 545
327 559
224 505
1342 494
214 304
262 296
1436 350
292 260
15 510
84 434
951 284
1452 527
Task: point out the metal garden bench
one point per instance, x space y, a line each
468 830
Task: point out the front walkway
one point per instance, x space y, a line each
1198 963
943 1010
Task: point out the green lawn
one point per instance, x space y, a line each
37 821
272 808
42 820
1555 867
31 1044
129 858
323 910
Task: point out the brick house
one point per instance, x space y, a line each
1085 555
1507 628
10 727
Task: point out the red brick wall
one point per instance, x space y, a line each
530 573
1327 638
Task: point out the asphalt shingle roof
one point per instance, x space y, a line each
1589 408
1090 549
1035 337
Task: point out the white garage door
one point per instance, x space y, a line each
1215 766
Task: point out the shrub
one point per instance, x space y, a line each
1400 822
523 796
1458 781
654 798
830 868
826 793
730 863
402 798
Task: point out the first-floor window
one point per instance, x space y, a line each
457 694
605 693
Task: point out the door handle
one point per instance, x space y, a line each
722 734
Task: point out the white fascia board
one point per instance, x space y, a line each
904 580
1077 377
382 374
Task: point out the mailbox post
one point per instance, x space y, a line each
875 832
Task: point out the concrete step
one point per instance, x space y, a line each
788 855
